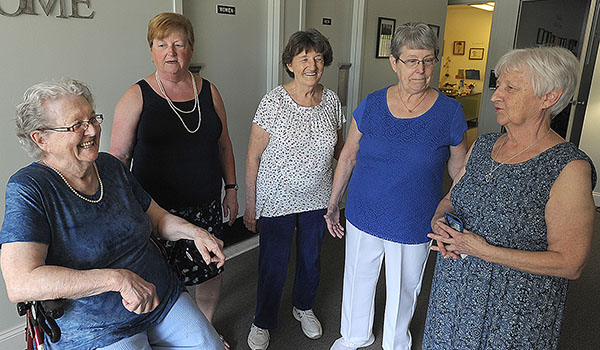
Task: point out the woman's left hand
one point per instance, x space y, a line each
457 243
206 244
230 206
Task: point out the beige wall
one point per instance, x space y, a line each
590 143
473 26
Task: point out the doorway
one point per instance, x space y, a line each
556 23
464 58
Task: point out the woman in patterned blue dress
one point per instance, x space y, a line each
525 199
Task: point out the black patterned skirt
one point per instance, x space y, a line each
182 255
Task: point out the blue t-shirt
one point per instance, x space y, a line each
396 184
114 233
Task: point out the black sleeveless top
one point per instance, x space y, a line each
176 168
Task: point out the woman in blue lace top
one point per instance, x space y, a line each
525 199
400 140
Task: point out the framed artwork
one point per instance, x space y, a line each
436 29
476 54
540 36
458 48
385 32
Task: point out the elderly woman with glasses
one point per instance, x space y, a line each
400 140
78 227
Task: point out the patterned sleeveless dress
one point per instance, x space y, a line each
478 305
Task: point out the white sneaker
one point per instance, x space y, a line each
342 344
258 338
310 324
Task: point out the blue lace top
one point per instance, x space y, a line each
397 181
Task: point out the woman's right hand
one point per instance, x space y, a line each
250 220
332 218
138 295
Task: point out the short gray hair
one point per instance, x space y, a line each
31 115
416 36
550 68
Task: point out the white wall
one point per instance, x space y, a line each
377 72
235 62
108 52
338 33
589 142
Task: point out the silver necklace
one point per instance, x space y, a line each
74 191
489 176
404 104
177 110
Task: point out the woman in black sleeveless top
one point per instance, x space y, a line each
173 126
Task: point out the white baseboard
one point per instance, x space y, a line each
241 247
13 339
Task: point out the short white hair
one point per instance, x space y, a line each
550 68
31 115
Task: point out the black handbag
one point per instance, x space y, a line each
186 261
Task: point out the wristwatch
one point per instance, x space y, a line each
234 186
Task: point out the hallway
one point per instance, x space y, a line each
234 316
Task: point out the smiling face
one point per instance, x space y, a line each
415 79
514 100
69 149
307 67
173 53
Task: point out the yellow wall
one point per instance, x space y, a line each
471 25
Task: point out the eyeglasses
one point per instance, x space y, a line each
413 63
80 126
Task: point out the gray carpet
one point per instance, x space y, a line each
234 316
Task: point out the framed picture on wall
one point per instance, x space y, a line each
540 36
458 48
385 32
436 29
476 54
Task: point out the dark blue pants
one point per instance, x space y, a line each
276 238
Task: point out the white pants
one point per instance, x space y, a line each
405 265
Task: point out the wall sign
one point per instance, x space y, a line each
26 7
226 10
326 21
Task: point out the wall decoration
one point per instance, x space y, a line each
540 36
458 48
436 29
476 54
385 32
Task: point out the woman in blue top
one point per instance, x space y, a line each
394 159
77 226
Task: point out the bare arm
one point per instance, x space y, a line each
126 118
458 155
27 277
259 139
339 145
174 228
230 202
569 219
343 171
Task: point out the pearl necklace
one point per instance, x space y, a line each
74 191
489 176
175 109
404 104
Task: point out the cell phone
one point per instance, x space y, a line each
454 222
